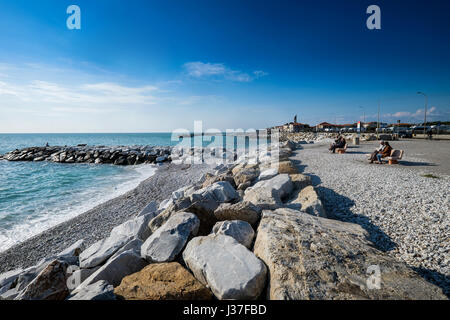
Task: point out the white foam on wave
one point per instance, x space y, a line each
85 201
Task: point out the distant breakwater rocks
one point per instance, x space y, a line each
135 155
119 155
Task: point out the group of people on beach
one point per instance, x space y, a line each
383 151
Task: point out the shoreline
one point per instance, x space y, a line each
87 200
97 223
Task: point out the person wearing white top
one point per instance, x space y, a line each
381 147
378 150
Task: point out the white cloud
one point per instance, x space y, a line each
41 98
107 87
80 110
200 69
260 73
42 92
199 100
9 89
401 114
419 114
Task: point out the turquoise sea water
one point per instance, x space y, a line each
37 196
10 142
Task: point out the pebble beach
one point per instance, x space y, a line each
404 209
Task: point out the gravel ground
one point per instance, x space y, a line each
405 213
98 222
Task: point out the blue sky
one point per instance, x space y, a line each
142 66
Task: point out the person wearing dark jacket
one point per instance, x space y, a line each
338 143
386 152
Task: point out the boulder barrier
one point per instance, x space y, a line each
119 155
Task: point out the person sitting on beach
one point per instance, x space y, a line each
386 152
380 148
338 143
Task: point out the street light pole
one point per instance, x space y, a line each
425 120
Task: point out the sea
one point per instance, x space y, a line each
35 196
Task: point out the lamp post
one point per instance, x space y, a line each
425 120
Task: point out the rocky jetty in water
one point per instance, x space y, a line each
119 155
252 230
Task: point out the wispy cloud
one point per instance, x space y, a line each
200 69
65 110
419 114
259 74
29 91
84 95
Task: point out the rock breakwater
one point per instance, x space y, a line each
119 155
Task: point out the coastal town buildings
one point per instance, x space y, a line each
372 126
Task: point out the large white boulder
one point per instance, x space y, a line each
165 204
226 266
151 207
115 269
221 191
78 276
239 230
179 194
134 228
310 202
245 211
9 277
100 251
8 293
168 241
134 244
268 194
317 258
268 174
7 280
100 290
74 250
